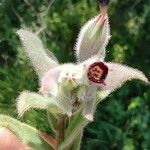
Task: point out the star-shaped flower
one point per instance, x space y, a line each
67 88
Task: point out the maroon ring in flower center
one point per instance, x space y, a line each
97 72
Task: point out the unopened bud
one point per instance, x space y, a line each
103 2
93 38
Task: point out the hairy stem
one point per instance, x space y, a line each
61 129
77 142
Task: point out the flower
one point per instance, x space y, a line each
71 87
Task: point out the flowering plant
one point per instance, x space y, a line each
69 92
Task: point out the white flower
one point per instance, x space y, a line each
74 85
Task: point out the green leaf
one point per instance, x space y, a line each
93 39
27 134
128 144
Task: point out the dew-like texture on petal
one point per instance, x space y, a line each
34 49
119 74
92 39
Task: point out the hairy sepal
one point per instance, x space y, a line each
34 49
28 100
102 95
92 39
76 125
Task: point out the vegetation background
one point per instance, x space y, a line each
122 121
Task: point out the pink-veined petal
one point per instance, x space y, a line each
119 74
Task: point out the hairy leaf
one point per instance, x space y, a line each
26 134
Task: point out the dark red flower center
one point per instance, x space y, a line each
97 72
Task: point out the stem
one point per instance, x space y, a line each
77 142
61 129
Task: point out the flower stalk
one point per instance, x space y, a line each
61 129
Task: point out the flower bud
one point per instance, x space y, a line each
103 2
93 38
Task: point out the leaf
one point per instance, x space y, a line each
128 144
92 39
34 49
26 134
28 100
119 74
10 141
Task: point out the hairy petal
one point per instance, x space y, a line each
119 74
34 49
93 38
28 100
101 95
50 80
76 125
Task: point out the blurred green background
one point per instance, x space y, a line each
122 121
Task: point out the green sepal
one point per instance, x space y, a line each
29 100
53 121
77 142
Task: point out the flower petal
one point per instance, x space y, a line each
49 82
93 38
119 74
34 49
